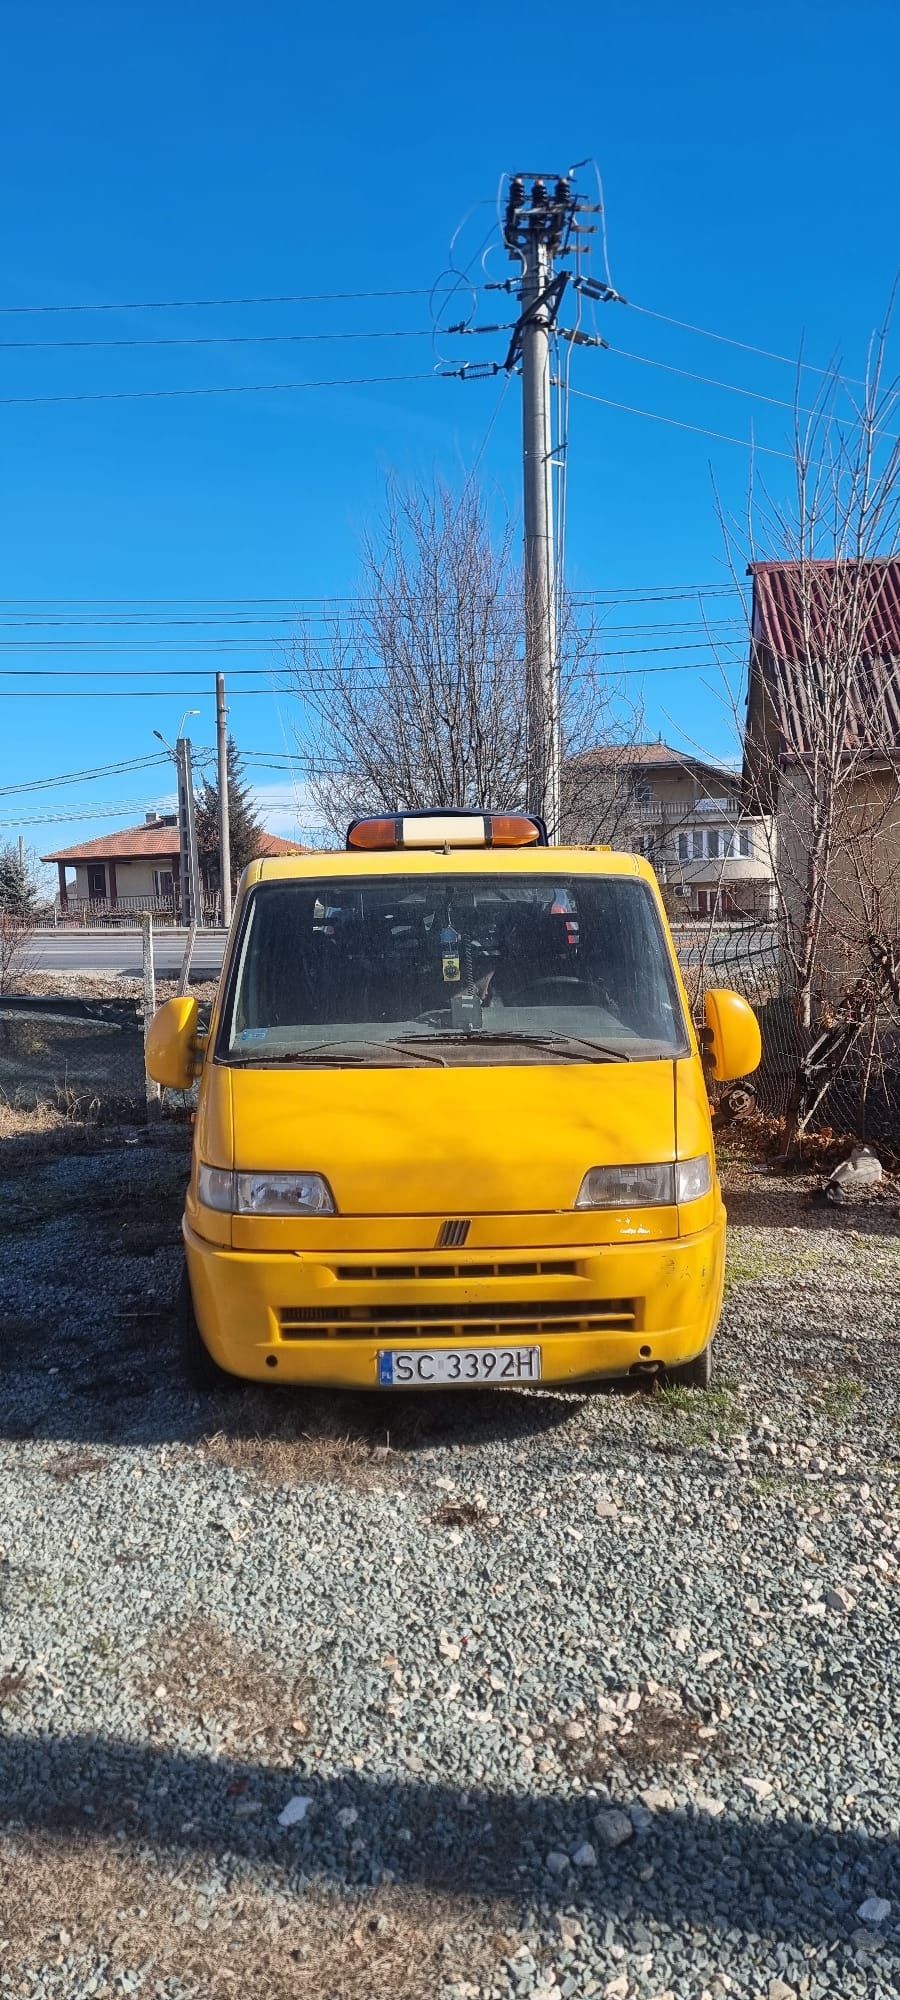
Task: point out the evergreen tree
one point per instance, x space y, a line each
18 894
244 827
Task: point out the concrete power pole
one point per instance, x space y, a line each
191 896
541 225
224 824
544 750
538 227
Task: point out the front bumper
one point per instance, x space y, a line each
597 1310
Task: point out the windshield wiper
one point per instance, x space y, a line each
579 1047
337 1055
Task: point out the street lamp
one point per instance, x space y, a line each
190 861
160 737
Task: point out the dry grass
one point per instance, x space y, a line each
19 1121
323 1456
93 1903
104 986
201 1673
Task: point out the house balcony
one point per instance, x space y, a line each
680 812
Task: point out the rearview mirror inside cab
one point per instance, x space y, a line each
734 1044
172 1044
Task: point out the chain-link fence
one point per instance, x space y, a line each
849 1075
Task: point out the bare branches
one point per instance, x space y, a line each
417 697
823 729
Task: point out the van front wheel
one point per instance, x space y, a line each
696 1374
200 1368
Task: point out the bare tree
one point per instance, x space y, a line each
416 698
16 949
823 731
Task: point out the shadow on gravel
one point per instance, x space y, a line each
773 1202
779 1876
136 1396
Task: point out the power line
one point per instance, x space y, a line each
746 346
245 694
677 423
96 771
611 591
222 389
200 305
213 340
735 389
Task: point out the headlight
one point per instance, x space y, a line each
645 1187
264 1194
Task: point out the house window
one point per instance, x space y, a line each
713 844
639 792
744 841
682 847
697 843
164 884
96 880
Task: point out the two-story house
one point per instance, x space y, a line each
687 815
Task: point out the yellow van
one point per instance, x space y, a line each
453 1124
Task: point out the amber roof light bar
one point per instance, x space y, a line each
450 827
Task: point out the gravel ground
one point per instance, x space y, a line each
579 1695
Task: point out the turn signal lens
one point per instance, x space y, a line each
693 1178
215 1188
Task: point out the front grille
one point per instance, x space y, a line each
490 1321
387 1274
452 1235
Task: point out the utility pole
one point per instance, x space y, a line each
191 898
224 824
541 226
543 744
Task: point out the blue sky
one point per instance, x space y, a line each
192 151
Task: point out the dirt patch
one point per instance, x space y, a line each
459 1514
75 1909
202 1673
69 1465
660 1734
656 1735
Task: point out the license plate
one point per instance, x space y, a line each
456 1367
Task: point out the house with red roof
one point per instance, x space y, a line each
137 869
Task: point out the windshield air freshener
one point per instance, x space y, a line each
450 955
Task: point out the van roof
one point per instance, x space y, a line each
356 862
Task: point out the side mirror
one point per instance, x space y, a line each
733 1040
171 1049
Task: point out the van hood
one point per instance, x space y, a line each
454 1141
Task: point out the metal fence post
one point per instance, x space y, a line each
154 1095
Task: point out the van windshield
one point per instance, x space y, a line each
451 969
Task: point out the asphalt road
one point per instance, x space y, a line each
120 951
